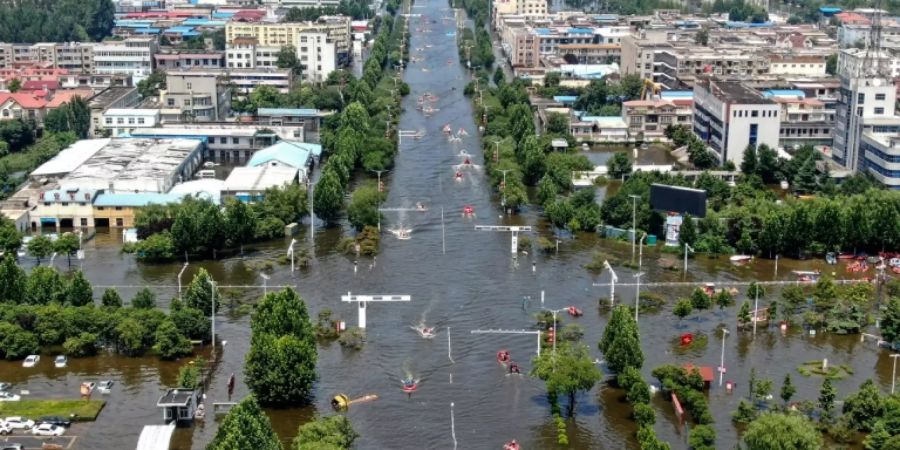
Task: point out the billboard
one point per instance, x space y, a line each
678 199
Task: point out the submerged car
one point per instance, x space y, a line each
60 361
31 361
105 386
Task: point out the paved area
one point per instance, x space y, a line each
35 442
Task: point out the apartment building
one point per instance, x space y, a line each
729 116
132 56
803 120
881 157
187 60
681 66
198 95
121 122
531 8
805 65
639 53
524 48
648 119
287 4
314 50
277 35
77 57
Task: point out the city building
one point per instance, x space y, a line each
187 60
111 97
225 143
248 184
76 57
803 120
117 210
196 95
806 65
132 56
309 119
297 155
277 35
729 116
531 8
287 4
647 119
122 121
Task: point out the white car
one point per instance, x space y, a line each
48 429
105 386
60 361
4 429
19 423
7 397
31 361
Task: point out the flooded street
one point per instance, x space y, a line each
474 284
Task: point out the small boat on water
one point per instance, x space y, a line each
807 276
830 258
740 258
894 262
402 233
468 210
574 312
511 445
409 385
503 357
424 332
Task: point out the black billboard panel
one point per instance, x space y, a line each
678 199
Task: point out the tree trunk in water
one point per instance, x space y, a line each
572 404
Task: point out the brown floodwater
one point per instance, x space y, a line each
474 284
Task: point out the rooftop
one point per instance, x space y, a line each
259 178
130 112
176 397
127 164
734 92
292 154
135 200
155 437
285 112
70 158
109 96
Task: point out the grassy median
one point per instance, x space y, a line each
75 410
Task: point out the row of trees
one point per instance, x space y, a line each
200 227
246 426
74 116
357 9
15 166
357 137
698 154
475 49
748 217
56 20
44 308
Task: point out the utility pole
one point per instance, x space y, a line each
755 308
637 292
380 190
212 296
633 223
503 188
265 283
312 214
183 268
722 360
687 248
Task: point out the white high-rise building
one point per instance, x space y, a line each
132 56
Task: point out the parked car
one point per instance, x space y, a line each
105 386
55 420
4 428
7 397
48 429
60 361
89 386
19 423
31 361
5 386
9 446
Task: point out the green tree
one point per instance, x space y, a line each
724 299
40 247
43 286
546 190
890 321
111 298
190 376
683 308
328 196
14 85
744 315
67 244
144 299
17 343
806 181
775 431
363 208
12 281
687 233
331 432
567 371
749 162
533 159
825 293
826 399
700 299
245 426
621 343
79 291
130 337
287 59
702 37
239 221
619 165
831 64
755 290
864 407
281 363
557 123
150 86
702 437
787 389
170 343
199 294
83 345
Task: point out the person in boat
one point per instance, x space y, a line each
458 174
409 383
420 206
467 162
513 368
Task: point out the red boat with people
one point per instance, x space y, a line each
409 385
503 357
511 445
574 312
468 210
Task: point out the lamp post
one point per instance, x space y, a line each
212 297
497 150
755 307
265 283
183 268
312 214
503 188
687 248
722 359
290 251
380 190
555 331
612 281
637 296
633 223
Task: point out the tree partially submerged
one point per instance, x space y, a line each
246 427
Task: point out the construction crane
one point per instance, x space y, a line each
650 90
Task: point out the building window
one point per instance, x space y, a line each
120 120
189 86
754 113
118 208
860 98
140 120
99 208
170 102
120 222
109 120
131 121
879 111
84 222
235 141
879 97
859 111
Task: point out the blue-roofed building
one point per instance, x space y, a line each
118 209
792 93
829 11
566 100
297 155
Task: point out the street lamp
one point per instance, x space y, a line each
687 248
265 283
497 150
612 281
755 307
212 296
637 295
633 223
380 190
290 252
894 372
312 214
183 268
555 331
503 187
722 360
